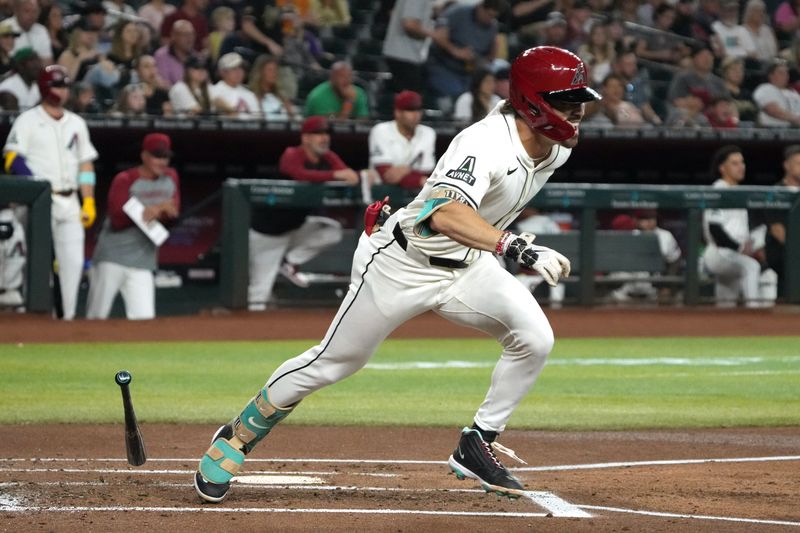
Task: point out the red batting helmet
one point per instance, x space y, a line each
545 74
52 76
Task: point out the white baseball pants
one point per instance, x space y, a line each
68 236
388 288
736 274
136 285
299 246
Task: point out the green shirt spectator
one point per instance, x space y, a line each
338 97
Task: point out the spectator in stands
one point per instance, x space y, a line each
95 14
223 23
579 21
644 221
32 34
661 45
403 151
534 221
598 53
627 10
171 57
502 71
264 84
707 12
261 29
787 17
729 252
81 52
338 97
637 84
301 46
553 31
646 12
755 22
620 113
731 38
463 41
82 99
155 89
474 104
698 81
778 105
732 72
194 12
20 91
154 12
330 13
775 241
52 18
126 45
229 95
722 113
117 11
407 43
192 95
7 36
684 18
131 101
282 239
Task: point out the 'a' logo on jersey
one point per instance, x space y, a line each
464 171
580 76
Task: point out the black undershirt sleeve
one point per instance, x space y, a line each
721 237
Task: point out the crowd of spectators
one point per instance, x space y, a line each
687 63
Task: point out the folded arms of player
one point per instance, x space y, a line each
464 225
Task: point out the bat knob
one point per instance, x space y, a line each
123 377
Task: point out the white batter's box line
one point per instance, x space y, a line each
206 509
670 462
189 472
557 507
692 516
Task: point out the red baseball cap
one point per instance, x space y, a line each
316 124
408 101
157 144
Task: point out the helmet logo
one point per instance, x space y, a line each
580 76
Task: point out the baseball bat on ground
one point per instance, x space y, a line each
134 443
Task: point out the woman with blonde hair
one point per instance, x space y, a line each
126 45
264 83
598 52
130 102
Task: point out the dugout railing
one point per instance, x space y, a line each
240 194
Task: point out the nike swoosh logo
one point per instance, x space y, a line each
511 171
252 422
460 453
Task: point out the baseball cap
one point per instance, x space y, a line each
554 18
6 28
623 223
229 61
408 101
645 213
157 144
24 54
316 124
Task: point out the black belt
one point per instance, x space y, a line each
434 261
65 192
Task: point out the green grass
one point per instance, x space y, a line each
587 384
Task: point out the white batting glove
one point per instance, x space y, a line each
550 264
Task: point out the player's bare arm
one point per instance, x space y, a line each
464 225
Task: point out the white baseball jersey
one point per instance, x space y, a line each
27 95
387 146
733 221
487 168
239 98
37 38
53 149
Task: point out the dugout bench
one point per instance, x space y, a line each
596 250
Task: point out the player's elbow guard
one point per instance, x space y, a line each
15 165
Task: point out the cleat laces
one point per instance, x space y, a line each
496 446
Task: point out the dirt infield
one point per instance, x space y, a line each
61 478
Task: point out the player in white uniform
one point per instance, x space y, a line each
437 253
51 143
403 151
728 255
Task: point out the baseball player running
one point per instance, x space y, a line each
439 253
52 143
